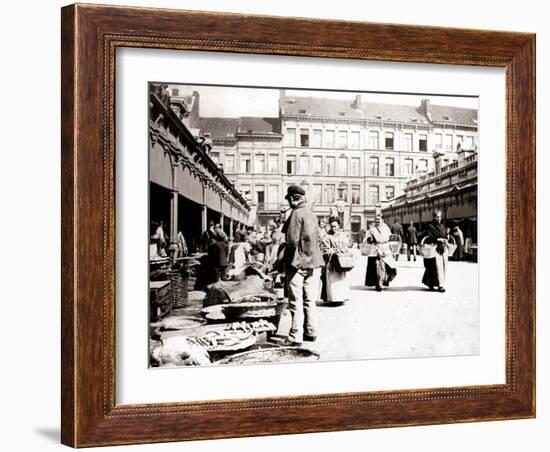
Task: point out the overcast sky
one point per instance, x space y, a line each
237 101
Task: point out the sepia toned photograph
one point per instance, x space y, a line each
291 225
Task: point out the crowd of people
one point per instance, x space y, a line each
314 257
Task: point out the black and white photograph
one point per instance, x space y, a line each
301 225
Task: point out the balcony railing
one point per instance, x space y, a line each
270 206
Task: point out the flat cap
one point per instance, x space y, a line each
294 190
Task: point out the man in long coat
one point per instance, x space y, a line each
302 260
412 241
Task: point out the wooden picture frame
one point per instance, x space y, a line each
90 36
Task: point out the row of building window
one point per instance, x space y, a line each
343 139
332 193
341 166
348 140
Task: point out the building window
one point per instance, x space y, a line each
317 140
317 165
245 192
229 164
260 197
343 193
448 142
389 140
342 139
246 166
423 165
408 167
355 194
408 142
390 192
459 142
355 223
317 193
373 140
215 156
390 167
355 140
259 163
291 164
290 137
470 143
423 143
329 139
330 193
374 194
342 166
304 137
374 166
330 166
273 164
273 197
355 166
304 164
438 140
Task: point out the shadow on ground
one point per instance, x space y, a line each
51 433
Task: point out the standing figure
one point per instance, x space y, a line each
412 241
218 255
336 282
182 249
459 240
207 237
160 238
381 269
397 229
436 267
322 281
273 248
302 259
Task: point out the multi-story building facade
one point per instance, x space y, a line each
450 188
350 155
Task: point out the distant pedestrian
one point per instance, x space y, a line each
334 243
182 249
436 266
323 279
302 259
458 236
381 269
411 238
160 239
397 230
218 255
207 237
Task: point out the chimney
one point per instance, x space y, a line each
438 157
357 102
425 108
282 100
194 113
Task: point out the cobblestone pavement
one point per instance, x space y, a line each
405 320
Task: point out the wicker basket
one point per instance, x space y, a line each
179 287
428 250
370 250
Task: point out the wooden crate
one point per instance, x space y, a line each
160 299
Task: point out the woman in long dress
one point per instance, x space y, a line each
381 269
336 282
436 267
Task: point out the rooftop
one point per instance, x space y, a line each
224 128
325 107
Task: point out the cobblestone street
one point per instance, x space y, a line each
405 320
